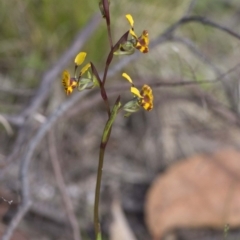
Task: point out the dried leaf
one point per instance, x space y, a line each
202 191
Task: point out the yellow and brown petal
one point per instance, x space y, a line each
142 43
147 98
68 83
70 88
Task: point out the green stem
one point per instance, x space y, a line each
97 192
104 141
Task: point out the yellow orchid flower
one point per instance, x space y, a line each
143 98
69 83
141 43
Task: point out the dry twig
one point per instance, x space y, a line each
62 186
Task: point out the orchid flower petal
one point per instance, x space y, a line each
127 77
130 19
65 78
79 59
135 92
85 68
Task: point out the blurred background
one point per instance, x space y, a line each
194 72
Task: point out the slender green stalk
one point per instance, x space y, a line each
97 193
104 141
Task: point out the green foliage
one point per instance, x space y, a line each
35 33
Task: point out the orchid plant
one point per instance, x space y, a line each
88 78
